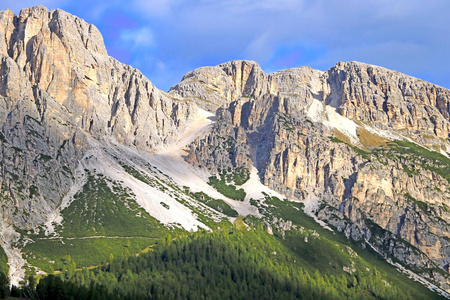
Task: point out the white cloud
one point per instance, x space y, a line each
408 35
154 7
96 11
161 66
259 48
136 38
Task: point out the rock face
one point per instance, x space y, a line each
211 87
392 195
389 99
58 89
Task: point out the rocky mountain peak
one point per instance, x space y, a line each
37 23
65 57
212 87
362 92
389 99
60 91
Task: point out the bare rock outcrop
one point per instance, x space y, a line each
58 90
389 99
391 194
211 87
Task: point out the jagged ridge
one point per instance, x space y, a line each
328 136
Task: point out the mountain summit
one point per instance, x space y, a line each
92 151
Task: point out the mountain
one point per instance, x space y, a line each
97 163
367 147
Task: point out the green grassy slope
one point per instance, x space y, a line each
3 261
103 219
245 264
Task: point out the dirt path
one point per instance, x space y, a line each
97 237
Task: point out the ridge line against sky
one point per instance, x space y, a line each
167 38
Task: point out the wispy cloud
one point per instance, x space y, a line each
260 48
410 36
152 8
137 38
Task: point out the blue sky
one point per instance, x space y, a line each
167 38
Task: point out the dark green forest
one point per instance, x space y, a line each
231 263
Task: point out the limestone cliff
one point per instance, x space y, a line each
211 87
343 138
58 89
389 99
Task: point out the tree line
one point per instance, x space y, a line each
225 264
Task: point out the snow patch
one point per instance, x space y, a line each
201 124
147 196
382 133
170 162
55 217
412 275
183 174
320 112
255 189
8 238
312 204
420 279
